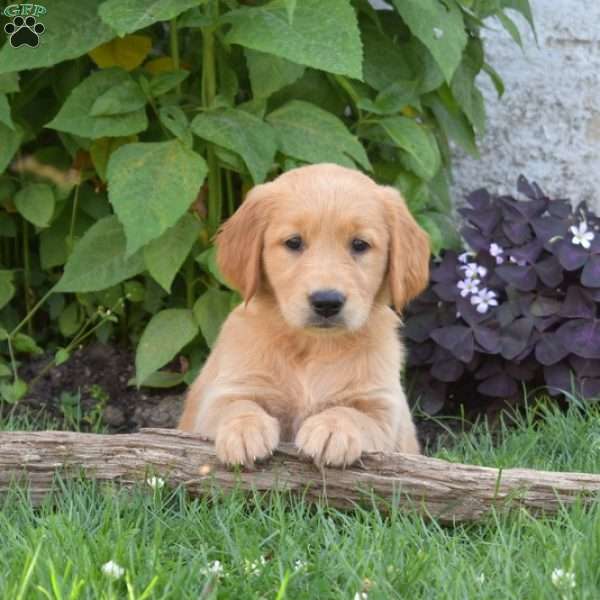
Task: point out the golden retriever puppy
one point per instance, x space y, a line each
313 355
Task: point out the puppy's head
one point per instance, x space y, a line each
328 243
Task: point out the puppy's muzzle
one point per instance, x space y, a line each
327 303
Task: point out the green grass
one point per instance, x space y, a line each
167 543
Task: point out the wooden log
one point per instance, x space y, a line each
446 491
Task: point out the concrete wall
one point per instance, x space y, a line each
547 125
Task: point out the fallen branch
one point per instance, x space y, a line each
447 491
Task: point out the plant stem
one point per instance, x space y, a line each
209 91
27 275
174 41
73 217
31 312
190 278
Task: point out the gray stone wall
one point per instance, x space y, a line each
547 125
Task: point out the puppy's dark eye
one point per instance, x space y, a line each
294 243
359 246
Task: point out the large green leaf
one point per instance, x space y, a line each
5 112
210 311
323 35
9 143
418 143
241 132
166 334
151 185
35 202
9 82
98 260
7 288
72 29
125 16
439 25
123 98
75 115
308 133
269 73
165 255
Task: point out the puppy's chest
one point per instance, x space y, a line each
307 390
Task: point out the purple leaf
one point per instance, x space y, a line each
581 337
499 386
544 306
487 338
485 220
549 271
479 199
477 241
549 350
559 208
458 339
529 252
591 272
558 379
590 388
518 232
446 270
491 366
585 367
447 291
548 228
515 337
447 370
418 327
571 257
577 304
523 278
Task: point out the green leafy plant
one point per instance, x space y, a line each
136 127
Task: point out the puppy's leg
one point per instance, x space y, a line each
243 431
338 436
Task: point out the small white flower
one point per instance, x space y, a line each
156 483
473 270
299 565
484 299
518 261
564 580
464 257
361 596
581 236
468 286
480 578
497 251
254 567
113 570
438 33
214 568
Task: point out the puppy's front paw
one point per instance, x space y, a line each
246 439
330 440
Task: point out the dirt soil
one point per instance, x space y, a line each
99 373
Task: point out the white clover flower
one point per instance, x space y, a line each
213 568
361 596
581 236
464 257
113 570
564 580
497 251
299 565
480 578
484 299
438 33
254 567
473 270
518 261
156 483
468 286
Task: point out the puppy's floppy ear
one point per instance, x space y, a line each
240 241
409 251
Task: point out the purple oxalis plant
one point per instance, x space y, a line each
520 306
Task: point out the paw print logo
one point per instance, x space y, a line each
24 32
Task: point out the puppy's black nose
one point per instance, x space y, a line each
327 303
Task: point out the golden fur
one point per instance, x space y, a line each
274 374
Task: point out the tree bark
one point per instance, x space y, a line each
446 491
